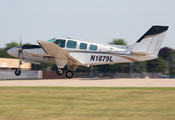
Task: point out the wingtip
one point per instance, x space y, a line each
39 41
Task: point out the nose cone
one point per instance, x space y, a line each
12 52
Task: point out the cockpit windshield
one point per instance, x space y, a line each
51 40
60 42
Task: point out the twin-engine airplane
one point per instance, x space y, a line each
70 52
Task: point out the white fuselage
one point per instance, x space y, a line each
104 54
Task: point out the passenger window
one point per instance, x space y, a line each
93 47
83 45
71 44
60 42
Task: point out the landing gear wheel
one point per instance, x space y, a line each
17 72
59 71
69 74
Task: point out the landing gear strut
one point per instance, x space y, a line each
60 71
18 71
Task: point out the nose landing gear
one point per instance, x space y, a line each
18 71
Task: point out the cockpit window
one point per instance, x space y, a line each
71 44
93 47
51 40
83 45
60 42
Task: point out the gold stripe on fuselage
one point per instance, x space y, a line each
131 59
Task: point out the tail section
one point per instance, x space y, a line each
150 42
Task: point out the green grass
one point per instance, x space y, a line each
76 103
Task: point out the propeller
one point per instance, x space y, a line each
20 53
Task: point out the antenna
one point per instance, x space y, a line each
64 35
86 39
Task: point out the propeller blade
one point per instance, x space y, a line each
20 41
20 53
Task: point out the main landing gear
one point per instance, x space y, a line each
69 73
60 71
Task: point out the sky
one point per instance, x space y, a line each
99 20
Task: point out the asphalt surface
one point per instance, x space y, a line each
91 82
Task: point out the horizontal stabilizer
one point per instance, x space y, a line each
139 53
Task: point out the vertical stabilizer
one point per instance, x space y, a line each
150 42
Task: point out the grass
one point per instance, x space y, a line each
76 103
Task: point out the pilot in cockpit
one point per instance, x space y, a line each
60 44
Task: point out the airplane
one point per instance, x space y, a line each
71 52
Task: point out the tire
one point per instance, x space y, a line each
17 72
60 71
69 74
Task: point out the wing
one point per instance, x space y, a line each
57 52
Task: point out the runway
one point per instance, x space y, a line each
91 82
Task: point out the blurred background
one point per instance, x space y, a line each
105 22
